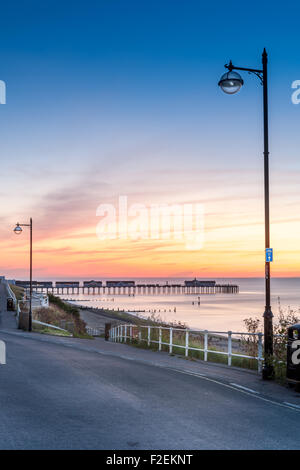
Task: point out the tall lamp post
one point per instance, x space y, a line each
18 230
230 83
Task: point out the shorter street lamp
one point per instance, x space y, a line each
18 230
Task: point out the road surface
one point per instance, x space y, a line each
59 396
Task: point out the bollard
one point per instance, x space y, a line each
107 330
23 321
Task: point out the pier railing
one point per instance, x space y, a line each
229 347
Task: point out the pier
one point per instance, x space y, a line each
129 288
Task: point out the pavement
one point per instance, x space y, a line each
68 393
96 319
7 319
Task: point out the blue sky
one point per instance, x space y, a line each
149 66
113 96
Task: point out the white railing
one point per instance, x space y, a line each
11 294
37 322
94 331
18 311
124 332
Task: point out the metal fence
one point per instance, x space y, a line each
11 294
224 343
48 325
94 331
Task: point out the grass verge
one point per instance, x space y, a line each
63 315
50 331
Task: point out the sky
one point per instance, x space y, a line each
113 98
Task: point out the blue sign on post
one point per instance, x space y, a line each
269 255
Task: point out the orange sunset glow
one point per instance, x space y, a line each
66 243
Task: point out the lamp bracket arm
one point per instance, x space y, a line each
260 75
258 72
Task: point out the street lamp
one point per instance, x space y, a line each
18 230
230 83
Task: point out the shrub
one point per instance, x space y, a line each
286 318
72 309
58 311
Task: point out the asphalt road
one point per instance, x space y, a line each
57 397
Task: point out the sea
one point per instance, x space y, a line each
214 312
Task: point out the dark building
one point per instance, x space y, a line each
24 283
67 284
34 283
92 283
196 283
120 283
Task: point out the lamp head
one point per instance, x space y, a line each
231 82
18 230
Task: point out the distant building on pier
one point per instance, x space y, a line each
196 283
120 283
92 283
26 284
67 284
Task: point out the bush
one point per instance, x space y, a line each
71 309
58 311
286 318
